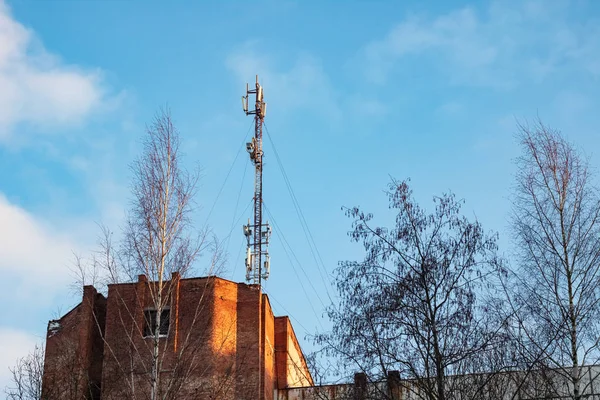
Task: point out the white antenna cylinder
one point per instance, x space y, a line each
267 266
248 259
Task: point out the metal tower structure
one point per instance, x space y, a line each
257 233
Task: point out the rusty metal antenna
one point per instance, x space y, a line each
257 233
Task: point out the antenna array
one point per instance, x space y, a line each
257 233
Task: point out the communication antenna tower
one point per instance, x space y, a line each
257 234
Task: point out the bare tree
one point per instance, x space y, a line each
26 376
556 286
140 272
156 241
64 380
414 303
160 245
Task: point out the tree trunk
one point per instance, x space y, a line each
439 368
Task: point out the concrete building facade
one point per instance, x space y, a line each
218 340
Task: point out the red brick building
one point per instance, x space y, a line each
218 340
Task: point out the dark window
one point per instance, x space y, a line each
150 326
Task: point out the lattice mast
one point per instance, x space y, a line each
257 233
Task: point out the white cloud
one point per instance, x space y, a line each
31 250
14 344
506 44
456 34
36 87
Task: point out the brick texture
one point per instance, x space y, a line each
223 343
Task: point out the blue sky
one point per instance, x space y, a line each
356 93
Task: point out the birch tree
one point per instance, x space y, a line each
556 224
157 247
155 238
160 244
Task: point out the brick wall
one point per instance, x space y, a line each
292 370
222 341
74 350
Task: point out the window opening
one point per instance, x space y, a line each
150 325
